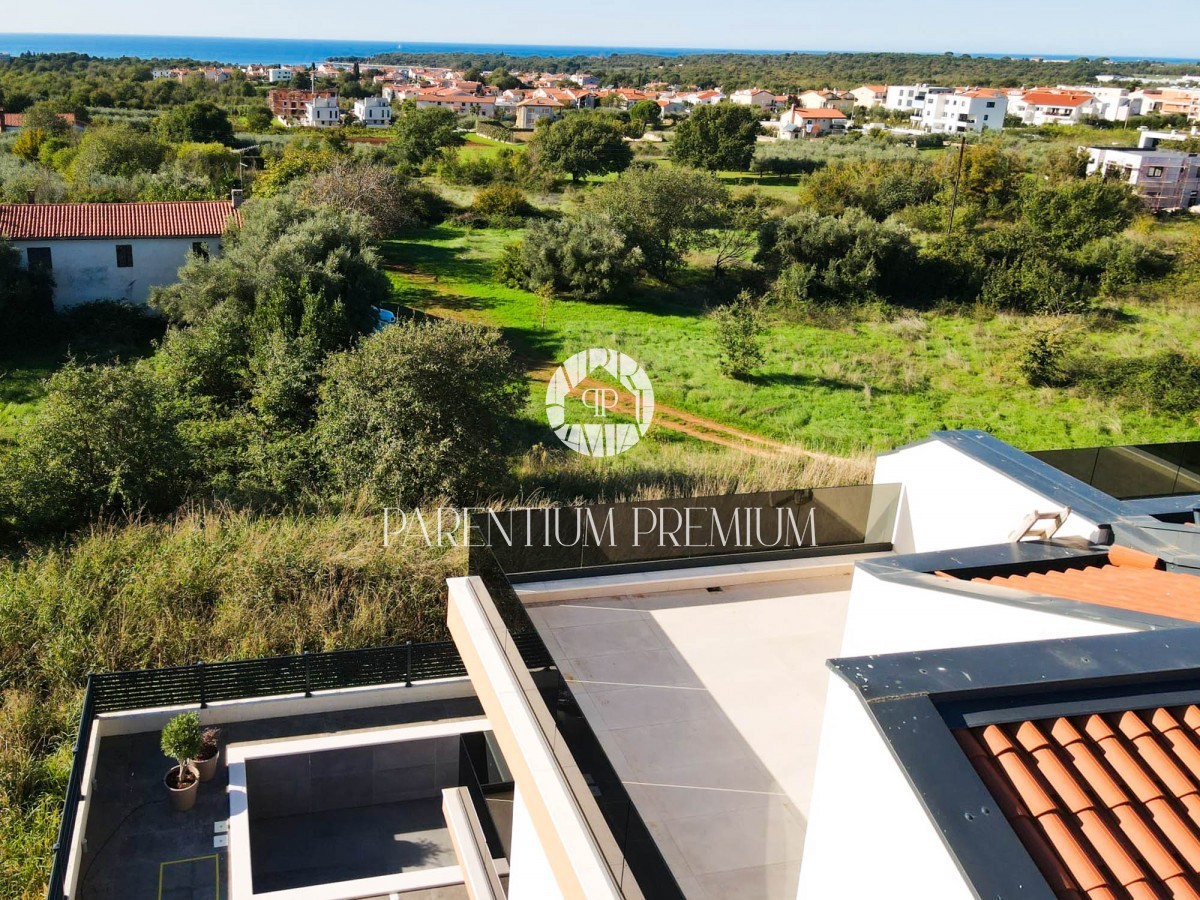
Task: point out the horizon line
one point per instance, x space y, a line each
491 45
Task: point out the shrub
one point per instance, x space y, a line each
421 411
391 202
1042 358
740 332
181 738
501 205
584 256
510 266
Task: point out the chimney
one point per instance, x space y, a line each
236 196
30 197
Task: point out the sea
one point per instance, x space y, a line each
242 51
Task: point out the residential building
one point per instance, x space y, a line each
870 95
827 99
374 112
910 98
220 76
457 101
978 672
315 109
1045 106
963 111
1163 179
710 97
532 110
585 81
753 97
1113 104
798 122
100 251
1181 102
277 75
16 121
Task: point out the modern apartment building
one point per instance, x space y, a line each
963 111
314 109
979 673
911 97
1163 179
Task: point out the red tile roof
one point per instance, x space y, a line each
49 221
1108 806
1056 98
1129 580
17 120
819 113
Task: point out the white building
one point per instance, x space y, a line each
1163 179
374 112
1052 107
275 76
963 111
321 112
910 98
114 251
753 97
870 95
1113 104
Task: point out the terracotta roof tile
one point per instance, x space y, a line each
50 221
1129 580
1106 805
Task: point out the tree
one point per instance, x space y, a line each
740 332
392 202
584 256
1072 214
200 122
501 78
46 117
421 412
665 211
420 134
257 119
116 150
473 74
302 157
285 245
1065 163
991 176
717 137
645 114
180 741
579 144
103 442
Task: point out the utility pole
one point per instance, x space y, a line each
962 151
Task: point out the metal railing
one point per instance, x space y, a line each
205 683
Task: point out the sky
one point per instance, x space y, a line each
1092 28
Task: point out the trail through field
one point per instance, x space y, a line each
699 427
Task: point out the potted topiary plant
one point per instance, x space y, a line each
181 742
210 751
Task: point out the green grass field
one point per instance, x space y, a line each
865 384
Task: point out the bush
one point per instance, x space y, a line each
26 300
501 205
583 256
180 739
740 332
419 412
1042 358
391 202
104 442
510 268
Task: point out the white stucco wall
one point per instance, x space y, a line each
86 270
529 874
862 804
952 500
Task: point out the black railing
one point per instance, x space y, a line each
1132 472
205 683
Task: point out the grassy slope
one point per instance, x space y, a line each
868 384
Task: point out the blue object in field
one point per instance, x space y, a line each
383 318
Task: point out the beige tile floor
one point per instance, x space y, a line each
709 706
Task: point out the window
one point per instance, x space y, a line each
991 104
985 118
39 258
200 248
1154 172
124 256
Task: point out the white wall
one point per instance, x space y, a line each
87 270
868 835
862 801
529 874
952 500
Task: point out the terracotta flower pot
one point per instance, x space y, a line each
182 798
207 767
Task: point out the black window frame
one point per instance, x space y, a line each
43 261
124 256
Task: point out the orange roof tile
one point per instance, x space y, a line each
1108 806
1129 580
1056 98
47 221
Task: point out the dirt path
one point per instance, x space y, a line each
677 420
